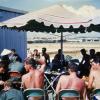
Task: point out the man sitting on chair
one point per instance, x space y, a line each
35 77
71 82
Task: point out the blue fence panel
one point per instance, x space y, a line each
13 40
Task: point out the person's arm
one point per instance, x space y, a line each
91 79
82 60
83 92
39 79
42 63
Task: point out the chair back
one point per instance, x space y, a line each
34 92
69 93
95 94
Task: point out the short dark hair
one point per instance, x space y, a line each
13 50
83 50
43 49
72 66
31 61
35 50
59 50
92 50
96 59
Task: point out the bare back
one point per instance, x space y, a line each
71 83
95 74
33 79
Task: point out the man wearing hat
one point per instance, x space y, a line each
5 52
5 56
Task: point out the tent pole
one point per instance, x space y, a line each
61 48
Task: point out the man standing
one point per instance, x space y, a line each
47 57
59 61
71 82
84 64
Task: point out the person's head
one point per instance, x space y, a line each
8 85
59 51
13 51
92 51
96 63
72 67
35 51
43 50
2 67
30 63
83 51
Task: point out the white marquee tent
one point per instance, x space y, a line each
56 15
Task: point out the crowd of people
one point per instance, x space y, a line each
17 75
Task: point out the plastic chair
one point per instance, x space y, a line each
34 92
69 93
95 94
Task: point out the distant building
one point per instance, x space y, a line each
10 39
34 37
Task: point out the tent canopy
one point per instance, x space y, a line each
56 15
52 19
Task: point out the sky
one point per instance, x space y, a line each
31 5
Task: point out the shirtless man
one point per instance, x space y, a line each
34 78
71 82
94 74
